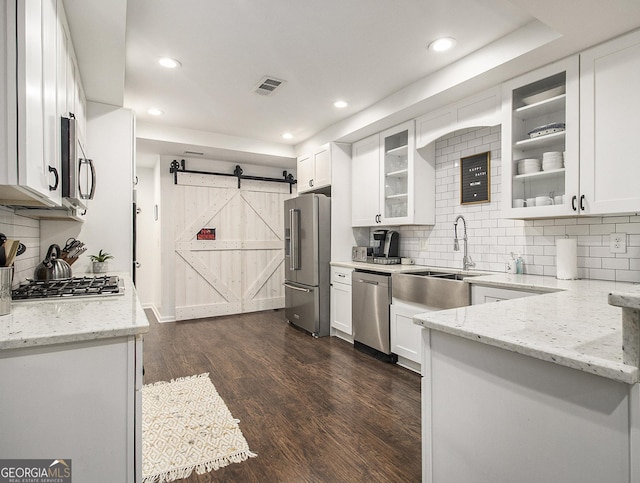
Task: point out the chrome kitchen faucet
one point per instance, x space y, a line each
467 263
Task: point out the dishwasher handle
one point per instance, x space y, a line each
370 282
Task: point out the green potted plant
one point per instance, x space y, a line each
100 264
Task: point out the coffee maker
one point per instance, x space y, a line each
385 248
379 237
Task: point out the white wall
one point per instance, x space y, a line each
108 224
492 238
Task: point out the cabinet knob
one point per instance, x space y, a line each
55 173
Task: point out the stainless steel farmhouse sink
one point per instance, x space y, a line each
439 290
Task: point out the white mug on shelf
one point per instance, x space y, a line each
531 202
518 203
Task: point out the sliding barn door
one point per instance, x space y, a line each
242 270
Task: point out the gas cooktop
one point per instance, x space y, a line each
69 287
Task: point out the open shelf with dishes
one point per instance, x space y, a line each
539 142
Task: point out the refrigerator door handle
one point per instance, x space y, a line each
294 223
299 289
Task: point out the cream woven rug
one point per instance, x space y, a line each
187 426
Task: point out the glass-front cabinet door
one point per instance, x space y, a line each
540 142
396 175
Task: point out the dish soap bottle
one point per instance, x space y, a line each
519 264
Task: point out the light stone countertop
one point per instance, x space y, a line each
397 268
54 321
572 324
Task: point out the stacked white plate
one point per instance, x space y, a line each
529 165
552 160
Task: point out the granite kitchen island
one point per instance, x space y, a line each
531 389
71 375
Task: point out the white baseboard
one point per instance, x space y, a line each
160 318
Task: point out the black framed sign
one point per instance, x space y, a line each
475 179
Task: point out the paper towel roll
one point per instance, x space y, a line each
566 258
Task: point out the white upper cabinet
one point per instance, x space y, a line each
609 125
365 181
392 183
314 170
34 91
38 162
540 142
598 104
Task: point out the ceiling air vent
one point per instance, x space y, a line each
268 85
194 153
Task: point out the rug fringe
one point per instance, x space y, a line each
202 468
178 379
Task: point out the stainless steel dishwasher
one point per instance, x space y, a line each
371 297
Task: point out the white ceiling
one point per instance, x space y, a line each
363 51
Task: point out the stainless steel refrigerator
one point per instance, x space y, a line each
307 234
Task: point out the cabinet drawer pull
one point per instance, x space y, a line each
55 173
582 202
573 203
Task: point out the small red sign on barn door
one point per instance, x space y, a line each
206 234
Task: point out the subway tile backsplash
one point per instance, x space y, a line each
27 230
492 238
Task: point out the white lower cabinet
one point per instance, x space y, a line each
405 335
489 414
80 401
341 303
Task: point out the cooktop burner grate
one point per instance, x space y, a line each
69 287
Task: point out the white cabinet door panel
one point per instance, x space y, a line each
322 167
365 182
341 307
610 122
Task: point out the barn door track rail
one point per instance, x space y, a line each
237 173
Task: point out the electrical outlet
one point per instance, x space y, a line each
618 243
424 244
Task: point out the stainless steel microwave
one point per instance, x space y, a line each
77 171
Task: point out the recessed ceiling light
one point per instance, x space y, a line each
154 111
340 104
440 45
168 62
287 135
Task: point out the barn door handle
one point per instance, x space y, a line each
294 223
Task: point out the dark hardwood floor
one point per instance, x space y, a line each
314 410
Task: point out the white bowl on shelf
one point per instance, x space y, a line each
544 201
531 202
